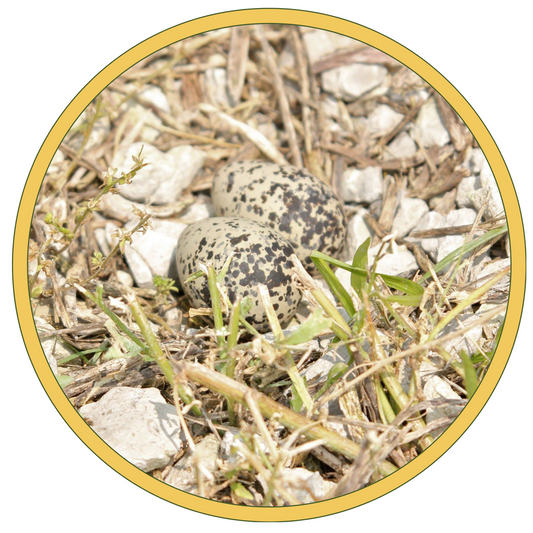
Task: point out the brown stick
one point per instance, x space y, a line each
364 161
269 408
283 101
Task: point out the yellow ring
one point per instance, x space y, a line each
273 16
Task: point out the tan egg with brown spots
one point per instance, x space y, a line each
289 200
260 256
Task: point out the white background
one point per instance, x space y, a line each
50 50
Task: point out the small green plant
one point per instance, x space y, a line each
164 286
61 235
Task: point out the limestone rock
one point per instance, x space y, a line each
138 424
349 82
164 178
362 186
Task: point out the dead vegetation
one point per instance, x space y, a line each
371 412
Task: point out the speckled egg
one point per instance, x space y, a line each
290 200
260 256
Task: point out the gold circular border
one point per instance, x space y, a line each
100 82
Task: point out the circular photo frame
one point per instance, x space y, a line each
399 54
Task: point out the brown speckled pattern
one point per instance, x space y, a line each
260 256
292 201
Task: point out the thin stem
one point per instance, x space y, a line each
115 249
470 299
98 300
215 303
156 352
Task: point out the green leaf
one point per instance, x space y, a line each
194 276
241 491
112 353
358 320
360 261
468 247
222 274
246 305
122 346
313 326
410 288
336 372
403 299
37 290
297 401
333 283
471 379
403 284
64 381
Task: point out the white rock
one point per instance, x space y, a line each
142 124
306 486
489 194
139 120
319 370
56 163
474 160
409 213
358 232
53 346
383 119
467 186
430 130
153 252
286 59
110 233
232 441
330 107
101 239
320 44
487 271
362 186
431 220
166 176
345 278
491 327
116 207
407 87
202 208
215 84
436 388
401 146
138 424
184 474
400 262
458 217
155 96
466 341
124 278
349 82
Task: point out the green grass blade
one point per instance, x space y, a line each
334 284
360 261
471 380
412 290
315 325
468 247
402 284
